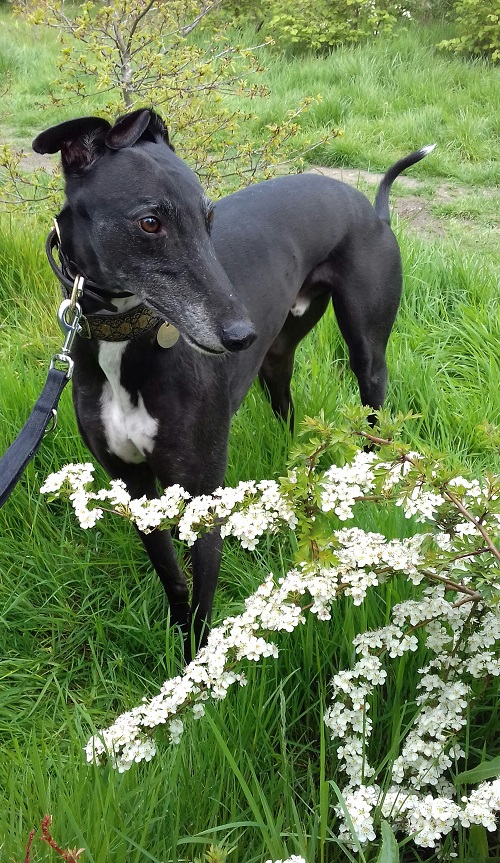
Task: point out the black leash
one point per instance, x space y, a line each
27 443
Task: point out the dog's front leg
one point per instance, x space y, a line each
159 546
191 450
140 480
206 556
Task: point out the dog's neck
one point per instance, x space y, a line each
123 304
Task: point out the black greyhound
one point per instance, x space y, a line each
242 281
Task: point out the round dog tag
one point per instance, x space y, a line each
167 335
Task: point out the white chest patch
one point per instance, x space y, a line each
130 430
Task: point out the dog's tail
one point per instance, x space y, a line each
382 198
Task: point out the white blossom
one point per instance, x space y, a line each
482 806
341 486
295 858
360 803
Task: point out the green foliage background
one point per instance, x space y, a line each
318 25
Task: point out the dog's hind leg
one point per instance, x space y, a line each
276 370
367 361
366 308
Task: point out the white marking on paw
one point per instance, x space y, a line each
130 430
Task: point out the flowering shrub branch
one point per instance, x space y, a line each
22 188
453 554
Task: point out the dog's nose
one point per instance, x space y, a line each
237 336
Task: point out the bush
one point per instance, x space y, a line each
427 11
122 55
478 24
317 24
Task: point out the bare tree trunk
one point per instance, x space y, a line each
126 71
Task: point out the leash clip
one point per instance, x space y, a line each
68 316
66 360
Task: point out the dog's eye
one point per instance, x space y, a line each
150 224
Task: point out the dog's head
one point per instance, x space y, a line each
136 219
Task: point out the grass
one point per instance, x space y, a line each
394 95
83 631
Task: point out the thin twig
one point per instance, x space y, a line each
452 585
465 512
27 857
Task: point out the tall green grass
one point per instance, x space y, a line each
83 632
393 95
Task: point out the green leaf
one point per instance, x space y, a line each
478 851
486 770
389 850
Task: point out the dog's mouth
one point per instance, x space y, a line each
213 338
202 348
198 346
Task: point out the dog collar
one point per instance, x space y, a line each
121 326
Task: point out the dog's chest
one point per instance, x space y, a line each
129 429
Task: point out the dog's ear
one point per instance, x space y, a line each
128 129
143 124
158 129
80 141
